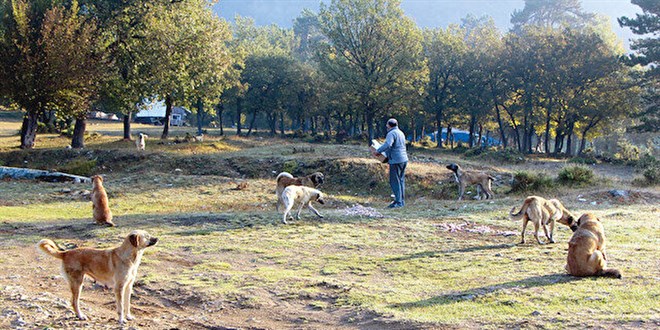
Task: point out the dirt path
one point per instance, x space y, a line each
33 295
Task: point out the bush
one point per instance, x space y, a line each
577 175
426 142
80 166
511 156
584 159
341 137
647 161
652 175
290 166
627 151
525 181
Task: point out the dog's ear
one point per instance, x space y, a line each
133 238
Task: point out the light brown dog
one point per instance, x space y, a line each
302 196
100 208
285 179
586 250
116 267
543 212
465 178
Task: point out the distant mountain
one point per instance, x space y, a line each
426 13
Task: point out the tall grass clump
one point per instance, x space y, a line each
493 154
80 166
524 181
575 175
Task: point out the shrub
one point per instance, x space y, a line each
647 161
80 166
652 175
290 166
426 142
511 156
578 175
584 159
627 151
341 136
526 181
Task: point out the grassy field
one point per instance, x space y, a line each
225 261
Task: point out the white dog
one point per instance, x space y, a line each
303 196
140 143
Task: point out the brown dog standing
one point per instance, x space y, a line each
586 250
115 268
100 208
285 179
543 212
465 178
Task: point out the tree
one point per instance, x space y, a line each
49 58
372 49
183 43
551 14
444 51
73 57
123 25
647 54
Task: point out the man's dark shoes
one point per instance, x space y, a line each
394 205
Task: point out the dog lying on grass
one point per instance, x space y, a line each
100 208
285 179
586 250
465 178
116 267
301 196
543 212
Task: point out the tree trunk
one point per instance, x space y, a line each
569 138
480 134
239 112
282 123
166 120
78 140
29 130
546 143
200 115
450 137
220 108
500 124
370 125
254 119
473 124
127 126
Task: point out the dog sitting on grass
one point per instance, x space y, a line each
586 250
100 208
141 141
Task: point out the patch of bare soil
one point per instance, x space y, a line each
35 296
622 196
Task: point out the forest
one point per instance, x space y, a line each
551 84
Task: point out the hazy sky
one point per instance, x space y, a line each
426 13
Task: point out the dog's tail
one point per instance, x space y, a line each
49 247
284 175
519 215
610 272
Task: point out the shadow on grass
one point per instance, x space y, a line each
471 294
435 254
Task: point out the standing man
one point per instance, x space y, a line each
395 147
